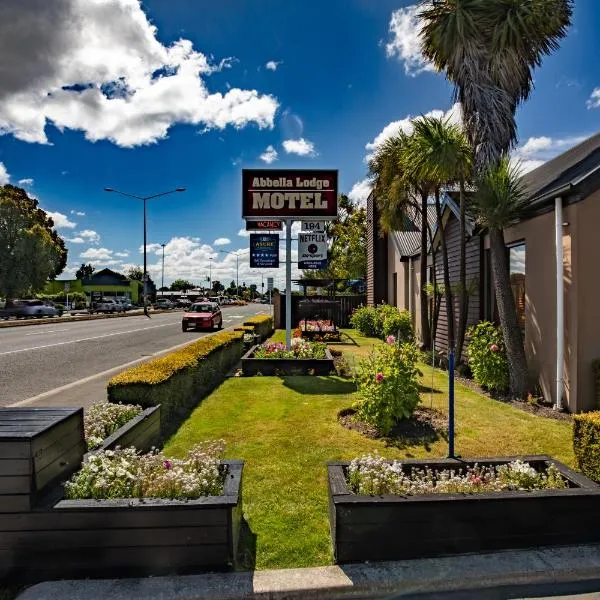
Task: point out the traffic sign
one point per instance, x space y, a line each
270 284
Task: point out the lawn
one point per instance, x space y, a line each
286 429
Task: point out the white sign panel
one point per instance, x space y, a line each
312 251
314 226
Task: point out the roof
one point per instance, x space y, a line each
564 171
408 242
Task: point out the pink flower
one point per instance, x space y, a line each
379 377
494 348
167 464
391 339
475 480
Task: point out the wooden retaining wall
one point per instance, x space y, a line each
377 528
142 432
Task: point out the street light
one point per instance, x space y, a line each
162 277
144 198
237 268
210 258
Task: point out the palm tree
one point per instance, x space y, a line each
397 192
440 153
488 49
497 203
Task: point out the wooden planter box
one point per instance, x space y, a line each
123 538
333 336
142 432
286 366
377 528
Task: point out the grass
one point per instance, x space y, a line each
286 429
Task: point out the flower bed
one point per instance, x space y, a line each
304 358
318 331
103 419
391 511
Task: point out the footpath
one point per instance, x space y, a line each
571 572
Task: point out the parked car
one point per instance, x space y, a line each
125 303
184 303
164 303
216 299
106 305
24 309
202 315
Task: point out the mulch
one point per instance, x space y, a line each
426 426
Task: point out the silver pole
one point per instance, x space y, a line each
288 283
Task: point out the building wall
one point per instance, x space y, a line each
473 269
130 289
377 254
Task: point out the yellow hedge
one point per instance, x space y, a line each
263 325
586 443
160 369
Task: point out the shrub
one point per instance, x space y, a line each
487 356
263 325
382 321
127 474
366 320
179 380
586 444
387 383
372 475
104 418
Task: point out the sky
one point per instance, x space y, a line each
145 97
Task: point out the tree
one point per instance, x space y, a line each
217 286
163 289
488 50
398 193
253 288
181 285
440 153
135 273
85 271
32 251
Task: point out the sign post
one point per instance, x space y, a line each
290 195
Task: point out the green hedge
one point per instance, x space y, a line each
179 380
263 325
586 444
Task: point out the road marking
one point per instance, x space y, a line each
47 331
87 339
68 386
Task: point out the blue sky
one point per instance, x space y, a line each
148 97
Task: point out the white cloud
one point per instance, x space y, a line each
61 221
594 99
76 240
537 150
223 241
90 236
4 175
273 64
269 155
453 115
97 254
100 69
405 44
123 254
360 192
300 146
78 213
26 182
243 233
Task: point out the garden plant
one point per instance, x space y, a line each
104 418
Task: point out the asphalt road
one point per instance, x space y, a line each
69 364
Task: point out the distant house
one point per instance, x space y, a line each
557 307
104 283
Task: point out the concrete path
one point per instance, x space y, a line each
542 572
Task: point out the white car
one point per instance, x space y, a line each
106 305
23 309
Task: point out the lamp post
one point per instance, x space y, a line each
237 269
209 274
144 198
162 277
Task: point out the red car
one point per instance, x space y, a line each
202 315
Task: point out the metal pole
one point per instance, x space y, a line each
288 283
209 275
162 278
560 303
145 265
237 274
451 404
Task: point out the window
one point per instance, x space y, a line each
516 256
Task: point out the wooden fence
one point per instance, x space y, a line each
340 314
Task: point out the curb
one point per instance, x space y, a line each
476 574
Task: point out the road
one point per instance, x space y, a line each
69 364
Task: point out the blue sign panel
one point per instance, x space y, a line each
264 251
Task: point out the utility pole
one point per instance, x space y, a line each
162 279
144 199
